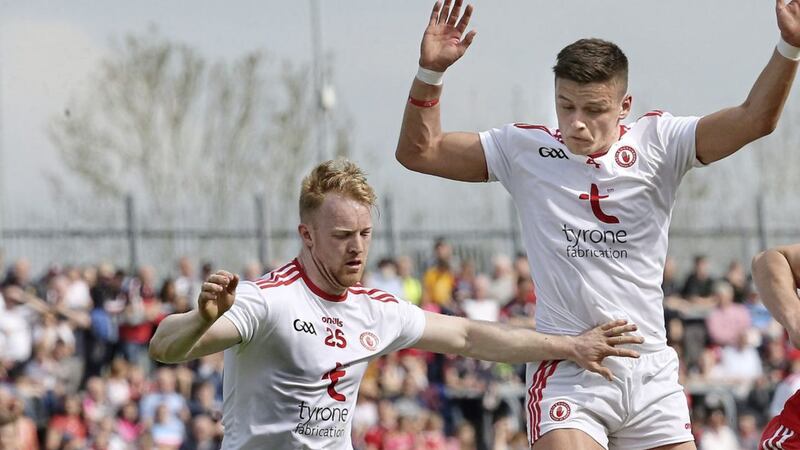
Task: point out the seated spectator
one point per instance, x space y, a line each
167 429
717 435
67 426
728 320
521 310
164 394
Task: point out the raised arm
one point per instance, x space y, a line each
777 275
724 132
200 332
493 341
422 145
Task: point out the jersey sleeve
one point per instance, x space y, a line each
249 313
411 325
677 137
496 149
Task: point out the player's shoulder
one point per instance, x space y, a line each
278 279
374 296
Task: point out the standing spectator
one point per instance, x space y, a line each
504 281
439 280
386 278
728 320
140 316
699 285
481 306
737 278
187 284
412 288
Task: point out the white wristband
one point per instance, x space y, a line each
430 76
788 51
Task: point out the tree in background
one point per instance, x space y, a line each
187 136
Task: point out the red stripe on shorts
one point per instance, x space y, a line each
538 383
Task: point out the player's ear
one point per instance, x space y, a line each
305 234
627 102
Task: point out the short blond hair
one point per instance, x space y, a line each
340 176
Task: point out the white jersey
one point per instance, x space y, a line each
595 227
292 382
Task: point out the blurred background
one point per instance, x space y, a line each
145 144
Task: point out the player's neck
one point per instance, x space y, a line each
316 274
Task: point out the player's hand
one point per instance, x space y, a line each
442 43
789 20
601 341
217 295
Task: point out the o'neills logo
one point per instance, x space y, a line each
369 340
321 421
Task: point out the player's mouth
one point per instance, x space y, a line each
354 264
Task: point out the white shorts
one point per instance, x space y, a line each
642 408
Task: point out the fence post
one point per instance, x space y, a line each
391 232
130 229
762 230
513 227
261 230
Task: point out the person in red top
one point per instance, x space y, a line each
777 275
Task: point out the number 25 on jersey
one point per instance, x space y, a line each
335 338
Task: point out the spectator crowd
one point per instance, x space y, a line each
75 371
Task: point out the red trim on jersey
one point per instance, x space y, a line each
622 130
279 277
318 290
375 294
555 134
281 281
538 383
655 112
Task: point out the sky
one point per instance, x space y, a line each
686 56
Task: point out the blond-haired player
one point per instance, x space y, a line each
297 341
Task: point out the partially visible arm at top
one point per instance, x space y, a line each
422 146
724 132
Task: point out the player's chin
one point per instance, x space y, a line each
351 276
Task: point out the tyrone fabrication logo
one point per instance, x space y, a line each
322 421
594 198
584 243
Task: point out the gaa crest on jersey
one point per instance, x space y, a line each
625 156
369 340
560 411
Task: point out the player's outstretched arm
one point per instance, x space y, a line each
492 341
777 276
422 145
200 332
724 132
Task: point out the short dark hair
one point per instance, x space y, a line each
592 60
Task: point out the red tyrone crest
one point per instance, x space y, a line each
369 340
625 156
559 411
